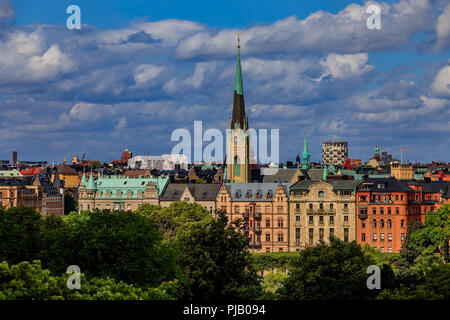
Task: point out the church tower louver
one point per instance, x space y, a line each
238 141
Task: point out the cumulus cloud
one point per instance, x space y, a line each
441 83
347 65
6 10
110 87
443 29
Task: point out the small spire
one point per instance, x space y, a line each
325 173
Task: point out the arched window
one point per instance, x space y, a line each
382 223
389 223
321 194
374 223
237 167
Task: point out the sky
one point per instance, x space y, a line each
138 70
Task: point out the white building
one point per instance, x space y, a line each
163 162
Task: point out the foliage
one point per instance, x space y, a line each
28 281
380 258
328 271
214 257
273 281
273 260
19 234
435 285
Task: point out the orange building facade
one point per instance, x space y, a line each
385 207
264 208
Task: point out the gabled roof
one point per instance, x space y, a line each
200 191
66 170
385 185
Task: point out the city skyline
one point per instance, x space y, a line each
109 86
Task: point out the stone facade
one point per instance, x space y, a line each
320 209
264 209
334 152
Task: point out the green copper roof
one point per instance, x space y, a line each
305 154
238 80
124 184
325 172
83 179
91 185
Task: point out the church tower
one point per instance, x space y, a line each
238 141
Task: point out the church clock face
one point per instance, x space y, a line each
236 139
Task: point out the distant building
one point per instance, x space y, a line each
14 158
10 173
163 162
334 152
351 164
402 171
68 175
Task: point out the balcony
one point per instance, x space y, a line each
257 214
363 216
257 229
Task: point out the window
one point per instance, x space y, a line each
280 209
297 218
382 237
268 209
382 249
320 219
280 237
374 223
321 234
267 237
345 218
311 219
382 223
397 210
396 197
267 249
331 232
297 235
345 206
389 236
345 234
389 223
297 207
311 235
374 237
267 223
389 210
331 219
236 209
258 209
403 223
321 206
402 197
237 167
310 206
403 236
363 223
363 237
280 223
381 210
374 210
331 207
321 194
390 249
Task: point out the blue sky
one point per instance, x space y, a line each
140 69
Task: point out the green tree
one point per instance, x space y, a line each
328 271
19 234
69 204
214 257
28 281
122 245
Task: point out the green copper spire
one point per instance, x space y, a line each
238 80
325 173
83 179
91 185
305 154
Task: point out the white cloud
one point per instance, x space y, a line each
147 72
443 29
441 83
346 66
